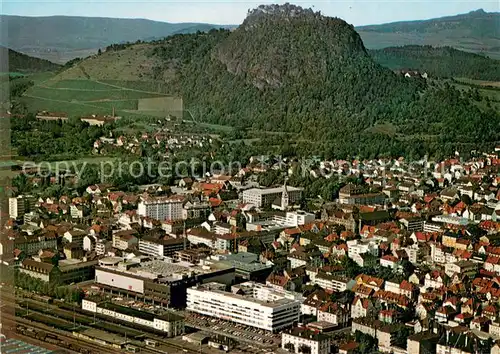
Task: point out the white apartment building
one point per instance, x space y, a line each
265 197
413 224
160 248
161 208
356 247
299 217
432 227
75 236
124 239
330 282
298 340
20 205
249 303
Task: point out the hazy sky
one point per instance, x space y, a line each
357 12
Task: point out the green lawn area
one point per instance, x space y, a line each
118 104
479 82
214 127
78 84
72 108
87 95
79 97
11 73
41 77
149 86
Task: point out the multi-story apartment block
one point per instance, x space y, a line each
18 206
161 247
161 208
303 340
32 244
124 239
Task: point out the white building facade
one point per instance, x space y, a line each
268 310
161 209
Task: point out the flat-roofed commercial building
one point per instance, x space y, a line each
266 196
66 272
250 303
168 322
159 281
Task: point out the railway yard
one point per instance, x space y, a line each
70 329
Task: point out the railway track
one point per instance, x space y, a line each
53 336
84 318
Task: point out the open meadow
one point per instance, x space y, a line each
81 97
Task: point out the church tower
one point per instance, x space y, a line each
284 196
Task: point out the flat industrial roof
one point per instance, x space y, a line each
148 316
157 269
270 304
101 335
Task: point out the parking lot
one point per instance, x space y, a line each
238 331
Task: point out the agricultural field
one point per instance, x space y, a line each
77 84
487 89
495 84
147 86
87 95
80 97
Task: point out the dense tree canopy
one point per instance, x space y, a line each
311 75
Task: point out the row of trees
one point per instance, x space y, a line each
39 139
52 289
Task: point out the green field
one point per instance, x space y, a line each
118 104
87 95
492 84
489 89
149 86
53 105
14 74
78 84
80 97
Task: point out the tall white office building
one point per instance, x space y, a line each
250 304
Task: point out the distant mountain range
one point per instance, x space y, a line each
62 38
476 31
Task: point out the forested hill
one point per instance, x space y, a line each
285 68
290 69
439 62
477 23
18 62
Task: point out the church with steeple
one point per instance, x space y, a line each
283 202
